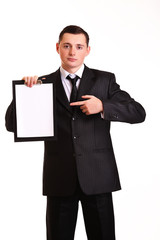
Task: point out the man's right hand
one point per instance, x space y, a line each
30 81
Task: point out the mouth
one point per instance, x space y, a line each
72 59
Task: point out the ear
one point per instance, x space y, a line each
88 50
57 47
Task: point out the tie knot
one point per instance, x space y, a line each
73 80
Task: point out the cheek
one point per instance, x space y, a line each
82 56
62 54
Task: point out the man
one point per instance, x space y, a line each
80 165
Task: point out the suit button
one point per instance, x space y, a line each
73 119
75 137
115 116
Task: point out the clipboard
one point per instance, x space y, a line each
34 111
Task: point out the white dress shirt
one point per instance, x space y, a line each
67 83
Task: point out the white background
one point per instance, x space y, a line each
125 39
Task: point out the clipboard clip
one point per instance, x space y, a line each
39 81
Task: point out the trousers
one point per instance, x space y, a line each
98 213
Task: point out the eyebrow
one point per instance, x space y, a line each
79 44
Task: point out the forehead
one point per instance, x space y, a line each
74 38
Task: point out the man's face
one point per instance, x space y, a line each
72 50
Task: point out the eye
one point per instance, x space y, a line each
79 47
66 46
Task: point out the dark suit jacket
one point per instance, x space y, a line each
83 149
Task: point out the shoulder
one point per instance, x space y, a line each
50 77
101 73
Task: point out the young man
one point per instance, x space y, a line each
80 165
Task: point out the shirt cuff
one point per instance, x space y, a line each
102 115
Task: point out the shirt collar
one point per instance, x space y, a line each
79 73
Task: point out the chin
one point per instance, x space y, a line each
72 66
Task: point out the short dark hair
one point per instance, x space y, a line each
73 29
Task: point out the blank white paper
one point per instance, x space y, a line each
34 110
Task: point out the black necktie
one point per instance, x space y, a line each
73 97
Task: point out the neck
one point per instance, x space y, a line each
71 70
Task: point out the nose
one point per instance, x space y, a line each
72 51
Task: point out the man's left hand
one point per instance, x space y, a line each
92 105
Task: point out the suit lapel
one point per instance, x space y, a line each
86 84
60 92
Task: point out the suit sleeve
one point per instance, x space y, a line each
120 106
9 118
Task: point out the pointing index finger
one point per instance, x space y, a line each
77 103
